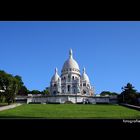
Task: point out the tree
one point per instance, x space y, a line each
23 91
19 80
104 93
12 88
34 92
46 91
128 95
3 80
3 83
11 85
6 85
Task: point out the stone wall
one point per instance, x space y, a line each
63 99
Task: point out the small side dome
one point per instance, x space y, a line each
84 76
55 77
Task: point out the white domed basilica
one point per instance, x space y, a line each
71 82
70 87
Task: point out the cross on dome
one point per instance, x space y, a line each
56 70
84 70
70 53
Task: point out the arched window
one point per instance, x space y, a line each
72 77
68 78
68 88
84 84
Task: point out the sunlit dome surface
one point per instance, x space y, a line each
70 63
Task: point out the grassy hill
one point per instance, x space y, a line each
72 111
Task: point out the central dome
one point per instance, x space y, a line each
70 64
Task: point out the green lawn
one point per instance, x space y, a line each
70 111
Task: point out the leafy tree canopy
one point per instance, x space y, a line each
104 93
11 86
128 95
34 92
46 91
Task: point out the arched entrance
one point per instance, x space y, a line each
54 92
84 92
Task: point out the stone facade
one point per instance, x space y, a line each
72 98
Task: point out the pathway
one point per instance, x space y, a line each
9 106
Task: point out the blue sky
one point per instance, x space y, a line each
109 50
